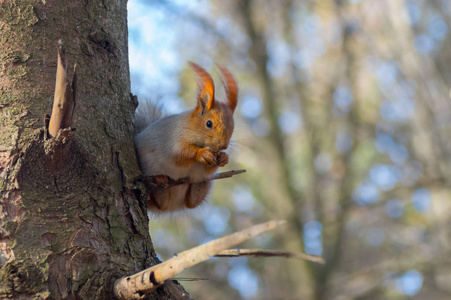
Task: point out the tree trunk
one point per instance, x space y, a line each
70 231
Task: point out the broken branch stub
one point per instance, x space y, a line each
58 133
64 98
139 284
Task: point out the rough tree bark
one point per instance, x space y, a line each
69 232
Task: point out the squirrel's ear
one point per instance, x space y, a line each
230 86
206 88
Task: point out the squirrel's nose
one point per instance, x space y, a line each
223 147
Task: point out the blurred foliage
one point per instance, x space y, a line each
343 124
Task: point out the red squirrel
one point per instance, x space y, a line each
188 144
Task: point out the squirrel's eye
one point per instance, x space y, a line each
209 124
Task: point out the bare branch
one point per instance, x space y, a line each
64 98
136 286
269 253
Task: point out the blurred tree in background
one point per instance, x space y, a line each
344 126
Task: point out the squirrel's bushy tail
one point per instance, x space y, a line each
146 114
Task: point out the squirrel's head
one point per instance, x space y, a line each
212 118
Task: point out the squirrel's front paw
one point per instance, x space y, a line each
207 156
222 159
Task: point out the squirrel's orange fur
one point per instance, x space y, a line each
189 144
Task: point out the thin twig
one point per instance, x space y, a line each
269 253
169 182
136 286
222 175
190 279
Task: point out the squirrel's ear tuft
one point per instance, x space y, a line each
206 88
230 86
